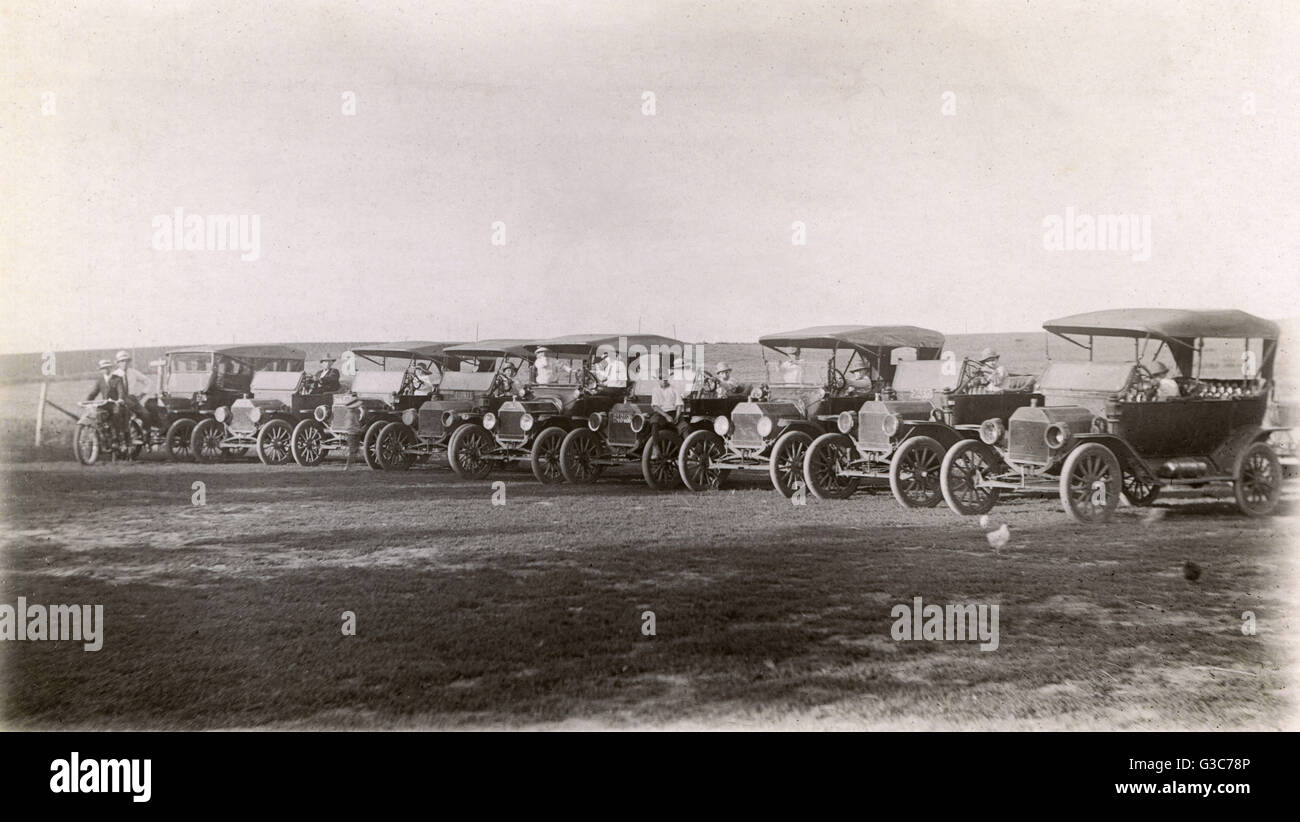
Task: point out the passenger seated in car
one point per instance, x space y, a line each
792 368
988 376
549 370
859 380
426 382
1161 385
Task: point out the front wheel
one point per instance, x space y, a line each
306 443
695 461
176 442
785 467
1091 482
86 445
965 467
1257 480
205 440
659 461
369 443
580 453
273 442
392 447
466 449
826 458
914 473
545 456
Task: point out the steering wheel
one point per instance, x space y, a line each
711 384
1143 374
588 381
838 379
501 383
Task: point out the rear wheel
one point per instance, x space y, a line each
695 461
545 456
1257 480
579 455
965 466
786 464
177 440
1091 483
1139 491
469 443
138 440
306 443
826 458
392 447
273 443
659 461
205 440
86 445
914 473
369 442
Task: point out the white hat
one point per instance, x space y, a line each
123 355
723 366
105 363
541 349
988 354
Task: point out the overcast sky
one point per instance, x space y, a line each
380 224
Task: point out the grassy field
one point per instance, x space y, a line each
530 614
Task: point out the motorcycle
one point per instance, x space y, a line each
97 435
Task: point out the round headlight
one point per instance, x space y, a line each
526 422
447 419
722 426
991 431
595 421
221 414
844 422
489 420
256 414
1056 435
765 425
890 424
408 417
321 413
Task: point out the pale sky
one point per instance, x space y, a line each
380 225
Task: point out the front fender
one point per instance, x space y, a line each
939 432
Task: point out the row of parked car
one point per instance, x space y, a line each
1087 431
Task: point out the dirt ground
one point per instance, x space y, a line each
531 614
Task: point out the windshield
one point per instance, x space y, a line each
924 377
276 381
377 382
802 371
187 382
1098 377
558 370
189 362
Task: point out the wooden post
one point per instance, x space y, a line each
40 412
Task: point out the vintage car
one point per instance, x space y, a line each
482 380
408 374
902 436
627 434
199 381
531 426
265 420
802 399
1111 428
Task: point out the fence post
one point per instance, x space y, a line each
40 412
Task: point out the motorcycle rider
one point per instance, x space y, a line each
111 386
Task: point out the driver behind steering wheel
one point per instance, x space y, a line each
859 379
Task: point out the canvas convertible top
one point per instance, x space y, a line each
249 352
421 349
489 348
1167 324
856 336
588 344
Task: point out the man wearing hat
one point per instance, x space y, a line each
103 383
327 378
859 378
548 370
134 385
726 385
1162 386
610 370
990 375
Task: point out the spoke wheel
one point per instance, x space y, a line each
1257 480
392 448
695 461
659 461
827 457
205 440
785 468
273 443
964 466
85 445
1091 483
306 443
469 443
1138 491
579 455
177 440
545 456
369 444
914 473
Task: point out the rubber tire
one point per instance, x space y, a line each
469 432
301 455
1135 499
264 438
391 445
913 448
787 459
1088 452
176 442
548 442
96 449
1257 456
659 461
570 467
368 452
813 465
206 429
710 478
952 480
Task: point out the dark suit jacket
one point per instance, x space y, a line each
327 380
110 388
